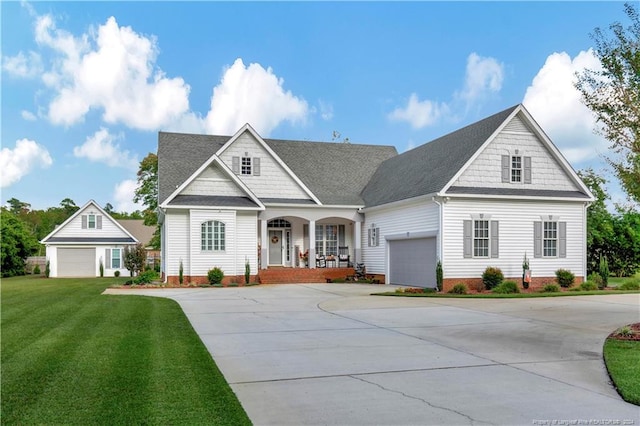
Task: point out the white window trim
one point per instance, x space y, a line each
204 236
246 165
119 258
556 239
512 169
95 221
474 238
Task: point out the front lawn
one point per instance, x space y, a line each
73 356
622 358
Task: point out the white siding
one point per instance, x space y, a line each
177 241
212 181
417 217
247 241
274 181
202 261
546 172
516 220
517 125
74 227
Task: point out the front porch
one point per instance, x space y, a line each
282 275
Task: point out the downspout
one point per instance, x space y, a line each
440 221
584 240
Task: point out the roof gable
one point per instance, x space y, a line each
428 168
71 229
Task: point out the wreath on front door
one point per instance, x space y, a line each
275 239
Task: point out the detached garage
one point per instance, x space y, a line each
84 241
412 261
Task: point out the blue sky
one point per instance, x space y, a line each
86 86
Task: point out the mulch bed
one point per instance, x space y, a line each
633 335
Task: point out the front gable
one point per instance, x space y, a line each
90 224
519 158
213 180
260 168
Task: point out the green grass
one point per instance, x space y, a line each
73 356
504 296
616 281
623 363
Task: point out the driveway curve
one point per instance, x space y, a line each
331 354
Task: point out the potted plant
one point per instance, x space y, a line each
304 257
526 272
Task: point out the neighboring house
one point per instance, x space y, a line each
481 196
78 246
144 234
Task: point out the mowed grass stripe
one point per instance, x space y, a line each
84 358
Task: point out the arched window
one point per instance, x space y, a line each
212 235
278 223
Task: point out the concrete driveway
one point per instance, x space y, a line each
331 354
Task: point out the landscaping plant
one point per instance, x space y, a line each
506 287
247 271
492 277
551 288
36 270
459 288
101 268
181 273
604 270
47 269
439 275
588 286
565 278
597 280
215 276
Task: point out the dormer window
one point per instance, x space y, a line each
516 168
246 165
245 168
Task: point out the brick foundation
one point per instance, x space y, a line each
174 280
475 284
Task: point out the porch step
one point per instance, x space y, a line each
302 275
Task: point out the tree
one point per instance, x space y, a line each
18 207
147 193
134 258
17 243
613 94
69 207
109 208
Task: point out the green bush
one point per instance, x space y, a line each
632 284
595 278
215 275
492 277
181 273
604 270
506 287
565 278
36 269
146 277
116 273
101 268
247 271
459 288
47 269
588 286
551 288
439 275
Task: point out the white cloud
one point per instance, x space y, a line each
252 95
123 194
326 110
18 162
22 65
102 147
112 69
555 103
28 115
483 76
419 113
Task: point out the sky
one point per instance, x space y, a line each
87 86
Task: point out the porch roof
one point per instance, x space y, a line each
212 201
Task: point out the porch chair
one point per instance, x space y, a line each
320 261
344 257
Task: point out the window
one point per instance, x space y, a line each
115 258
516 168
245 168
212 236
374 236
91 221
327 239
550 239
480 238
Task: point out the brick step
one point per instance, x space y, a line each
302 275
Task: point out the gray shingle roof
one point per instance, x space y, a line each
212 201
429 167
180 155
335 172
91 240
516 191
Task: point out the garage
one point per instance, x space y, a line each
412 262
76 262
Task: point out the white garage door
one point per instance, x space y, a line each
76 262
413 262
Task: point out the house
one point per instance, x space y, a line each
86 240
144 234
485 195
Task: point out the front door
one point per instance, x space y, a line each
275 247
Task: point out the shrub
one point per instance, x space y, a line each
247 271
215 275
633 284
47 269
565 278
506 287
492 277
604 270
459 288
101 268
181 273
595 278
588 286
116 274
36 269
551 288
145 278
439 275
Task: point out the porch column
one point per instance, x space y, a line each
264 245
358 242
312 244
